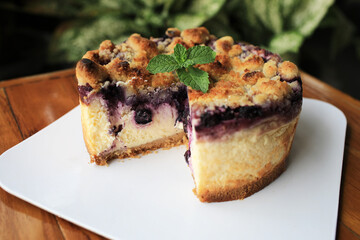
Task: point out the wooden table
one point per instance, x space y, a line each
29 104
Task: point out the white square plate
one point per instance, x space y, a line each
151 197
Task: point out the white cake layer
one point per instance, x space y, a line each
161 126
97 127
243 155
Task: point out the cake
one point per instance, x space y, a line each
239 133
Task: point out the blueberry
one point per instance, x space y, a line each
209 120
143 116
248 112
187 155
228 114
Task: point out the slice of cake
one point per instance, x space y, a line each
125 110
239 132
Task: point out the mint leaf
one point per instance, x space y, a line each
199 55
196 78
182 61
162 63
180 53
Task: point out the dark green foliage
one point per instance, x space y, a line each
278 25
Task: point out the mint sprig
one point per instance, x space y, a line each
182 61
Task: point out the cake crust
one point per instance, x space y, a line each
165 143
241 73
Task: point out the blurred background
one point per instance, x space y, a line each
321 36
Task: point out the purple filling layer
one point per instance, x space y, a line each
112 95
172 96
216 123
84 92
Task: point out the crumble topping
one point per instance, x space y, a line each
241 73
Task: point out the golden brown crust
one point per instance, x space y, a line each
270 69
173 32
288 70
126 62
244 189
168 142
195 36
224 44
88 71
176 40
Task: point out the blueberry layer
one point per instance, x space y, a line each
112 95
225 120
84 91
173 96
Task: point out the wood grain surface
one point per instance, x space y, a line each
29 104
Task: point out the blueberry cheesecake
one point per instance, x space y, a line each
125 110
239 131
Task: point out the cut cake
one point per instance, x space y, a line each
239 133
